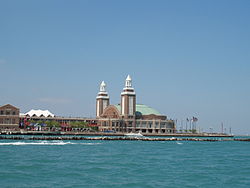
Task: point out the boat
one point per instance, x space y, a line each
134 134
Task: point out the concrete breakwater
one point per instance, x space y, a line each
116 138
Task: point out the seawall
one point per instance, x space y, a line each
12 137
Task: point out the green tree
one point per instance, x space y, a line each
78 124
94 128
52 124
193 131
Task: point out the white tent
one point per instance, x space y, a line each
39 113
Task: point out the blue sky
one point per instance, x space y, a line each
186 58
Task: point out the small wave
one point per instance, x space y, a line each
58 143
179 143
89 143
31 143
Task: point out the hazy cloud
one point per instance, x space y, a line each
55 100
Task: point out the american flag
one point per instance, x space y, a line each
195 119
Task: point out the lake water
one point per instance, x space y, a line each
124 164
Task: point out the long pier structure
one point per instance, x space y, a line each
120 138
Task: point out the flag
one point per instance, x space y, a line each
195 119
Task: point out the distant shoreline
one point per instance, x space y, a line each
57 133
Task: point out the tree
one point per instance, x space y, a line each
78 124
193 131
94 128
52 124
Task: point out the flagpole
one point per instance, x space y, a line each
186 124
190 125
181 125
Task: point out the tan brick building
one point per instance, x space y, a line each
129 116
9 117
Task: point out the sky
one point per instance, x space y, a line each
186 58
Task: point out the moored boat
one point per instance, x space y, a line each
134 134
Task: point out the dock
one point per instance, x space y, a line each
122 138
73 133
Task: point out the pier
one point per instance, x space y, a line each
121 138
74 133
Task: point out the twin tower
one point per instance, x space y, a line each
128 100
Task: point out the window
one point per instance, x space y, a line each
123 105
143 125
13 113
162 125
105 104
1 112
7 121
137 124
131 105
150 124
156 124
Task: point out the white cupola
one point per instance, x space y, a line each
128 82
103 87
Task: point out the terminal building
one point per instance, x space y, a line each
129 116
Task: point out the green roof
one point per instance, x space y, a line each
143 109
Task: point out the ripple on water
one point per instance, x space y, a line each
124 164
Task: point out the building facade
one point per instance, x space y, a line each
129 116
9 117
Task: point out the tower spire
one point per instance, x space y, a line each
102 99
128 82
103 87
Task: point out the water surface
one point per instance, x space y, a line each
121 164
